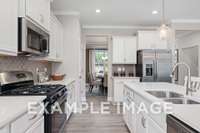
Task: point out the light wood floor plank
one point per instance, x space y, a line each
96 123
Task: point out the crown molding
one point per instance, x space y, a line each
119 27
186 24
63 13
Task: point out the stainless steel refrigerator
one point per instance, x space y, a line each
154 65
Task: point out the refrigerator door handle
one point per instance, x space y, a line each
155 70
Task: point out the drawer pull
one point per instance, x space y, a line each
33 117
143 121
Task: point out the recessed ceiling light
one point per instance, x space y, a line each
154 12
98 11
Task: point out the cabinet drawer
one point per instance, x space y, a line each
25 121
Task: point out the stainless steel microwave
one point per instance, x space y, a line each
32 39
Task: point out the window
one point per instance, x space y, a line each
101 61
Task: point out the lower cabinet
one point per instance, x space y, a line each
38 127
141 123
26 123
5 129
118 87
153 127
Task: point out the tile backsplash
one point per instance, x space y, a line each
23 63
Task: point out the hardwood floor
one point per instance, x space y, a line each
97 123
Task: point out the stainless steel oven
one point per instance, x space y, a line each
32 39
57 116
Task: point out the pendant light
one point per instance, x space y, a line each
164 29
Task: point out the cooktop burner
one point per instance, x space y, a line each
34 90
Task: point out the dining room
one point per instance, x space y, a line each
96 66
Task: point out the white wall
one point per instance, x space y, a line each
184 42
72 45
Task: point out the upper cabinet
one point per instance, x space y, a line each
124 50
9 27
36 10
56 40
56 43
150 40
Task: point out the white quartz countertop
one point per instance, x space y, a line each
65 81
118 77
11 107
189 114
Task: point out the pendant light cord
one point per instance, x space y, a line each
163 11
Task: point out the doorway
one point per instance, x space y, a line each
97 61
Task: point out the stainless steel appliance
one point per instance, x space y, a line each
176 126
32 39
17 83
154 65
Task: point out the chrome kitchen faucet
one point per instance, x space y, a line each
188 87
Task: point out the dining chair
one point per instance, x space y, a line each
93 82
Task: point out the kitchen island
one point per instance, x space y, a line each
157 123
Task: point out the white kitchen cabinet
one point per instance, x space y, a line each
118 87
38 11
124 50
130 47
5 129
129 114
56 40
37 127
118 50
118 90
28 120
150 40
141 123
9 27
153 127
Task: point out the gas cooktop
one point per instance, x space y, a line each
34 90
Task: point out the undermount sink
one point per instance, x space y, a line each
181 101
165 94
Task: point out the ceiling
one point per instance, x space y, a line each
127 12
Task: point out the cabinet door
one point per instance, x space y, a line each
141 120
153 127
118 50
150 40
130 50
160 44
39 11
9 27
5 129
37 127
118 91
53 38
59 49
146 40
